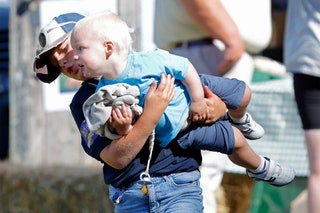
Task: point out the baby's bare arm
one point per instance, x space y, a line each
198 107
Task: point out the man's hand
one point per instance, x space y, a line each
232 53
215 106
159 97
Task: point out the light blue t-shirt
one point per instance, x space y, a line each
302 37
141 70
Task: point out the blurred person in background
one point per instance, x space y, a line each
4 80
205 32
275 47
302 58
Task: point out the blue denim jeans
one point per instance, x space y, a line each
174 193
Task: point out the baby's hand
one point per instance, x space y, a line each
121 119
198 111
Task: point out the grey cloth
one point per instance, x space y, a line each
97 108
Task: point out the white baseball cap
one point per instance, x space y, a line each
50 36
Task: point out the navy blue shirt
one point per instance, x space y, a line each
165 161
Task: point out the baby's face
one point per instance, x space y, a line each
89 52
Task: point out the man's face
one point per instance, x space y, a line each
62 57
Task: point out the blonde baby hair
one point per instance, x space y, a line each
108 26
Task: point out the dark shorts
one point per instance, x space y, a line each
307 93
218 137
230 91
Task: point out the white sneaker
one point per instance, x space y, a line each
250 129
275 174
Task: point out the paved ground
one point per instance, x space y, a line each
55 189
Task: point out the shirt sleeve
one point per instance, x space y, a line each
92 144
175 65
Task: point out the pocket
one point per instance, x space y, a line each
186 178
115 195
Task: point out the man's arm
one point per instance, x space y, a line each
122 151
212 16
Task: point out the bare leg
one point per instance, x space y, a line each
258 167
243 120
243 155
313 147
242 109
